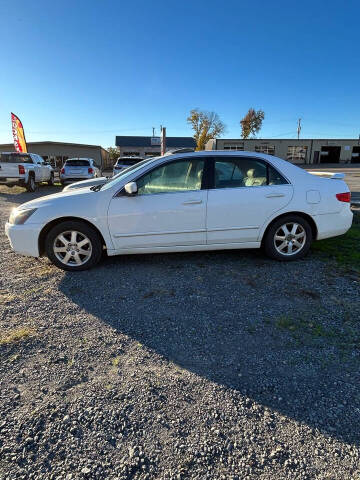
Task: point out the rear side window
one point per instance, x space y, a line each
244 172
77 163
15 158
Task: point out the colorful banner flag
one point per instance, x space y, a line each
18 134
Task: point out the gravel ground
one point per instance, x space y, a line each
221 365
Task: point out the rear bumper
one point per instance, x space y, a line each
77 178
24 239
12 180
333 224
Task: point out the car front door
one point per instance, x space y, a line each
246 191
169 209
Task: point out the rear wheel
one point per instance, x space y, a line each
288 238
73 246
31 184
52 180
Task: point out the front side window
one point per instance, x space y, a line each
245 172
177 176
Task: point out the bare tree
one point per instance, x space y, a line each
206 125
251 123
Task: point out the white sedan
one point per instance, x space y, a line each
184 202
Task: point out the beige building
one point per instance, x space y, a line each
58 152
305 151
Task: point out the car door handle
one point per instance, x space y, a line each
274 195
192 202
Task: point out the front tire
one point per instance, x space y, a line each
288 238
73 246
31 184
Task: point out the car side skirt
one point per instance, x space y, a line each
184 248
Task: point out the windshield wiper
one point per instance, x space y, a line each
96 188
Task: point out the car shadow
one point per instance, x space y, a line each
219 315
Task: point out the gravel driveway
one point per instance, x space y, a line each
218 365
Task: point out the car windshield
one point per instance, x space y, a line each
77 163
126 172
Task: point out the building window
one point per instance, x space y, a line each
296 154
130 154
234 146
268 149
152 154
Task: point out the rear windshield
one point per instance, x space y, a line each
77 163
127 161
15 158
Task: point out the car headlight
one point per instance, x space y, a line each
19 217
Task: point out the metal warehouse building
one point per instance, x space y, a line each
305 151
150 146
57 152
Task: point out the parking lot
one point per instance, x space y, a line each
215 365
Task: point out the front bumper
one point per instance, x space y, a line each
24 239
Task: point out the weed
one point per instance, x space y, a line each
15 335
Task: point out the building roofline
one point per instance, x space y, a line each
59 143
286 139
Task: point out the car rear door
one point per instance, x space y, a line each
169 209
246 192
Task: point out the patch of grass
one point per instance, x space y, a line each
345 250
115 361
16 335
6 297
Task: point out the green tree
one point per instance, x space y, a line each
251 123
206 125
113 154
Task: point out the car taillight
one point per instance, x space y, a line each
21 170
344 197
62 170
90 170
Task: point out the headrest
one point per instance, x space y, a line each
250 173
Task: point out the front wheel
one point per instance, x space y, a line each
73 246
288 238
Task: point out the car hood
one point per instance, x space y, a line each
50 199
85 183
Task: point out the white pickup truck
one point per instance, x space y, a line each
25 169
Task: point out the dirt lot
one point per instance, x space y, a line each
221 365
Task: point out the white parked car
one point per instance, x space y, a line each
75 169
24 169
184 202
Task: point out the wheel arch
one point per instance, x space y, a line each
46 229
305 216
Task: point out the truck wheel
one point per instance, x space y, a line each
52 180
31 184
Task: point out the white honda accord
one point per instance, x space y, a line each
184 202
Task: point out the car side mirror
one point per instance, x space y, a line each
131 188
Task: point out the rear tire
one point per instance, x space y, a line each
51 182
288 238
31 184
73 246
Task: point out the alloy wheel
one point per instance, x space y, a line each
72 248
290 238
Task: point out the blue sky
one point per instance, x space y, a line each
85 71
